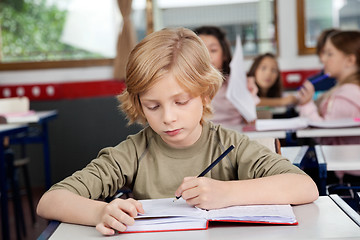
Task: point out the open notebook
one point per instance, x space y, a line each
166 215
299 123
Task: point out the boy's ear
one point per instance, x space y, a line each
206 100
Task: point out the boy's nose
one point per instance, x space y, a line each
169 116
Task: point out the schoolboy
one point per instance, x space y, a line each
170 84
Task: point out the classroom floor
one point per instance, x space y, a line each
33 231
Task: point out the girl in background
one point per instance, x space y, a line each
341 60
329 82
266 72
220 54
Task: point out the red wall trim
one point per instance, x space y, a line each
83 89
69 90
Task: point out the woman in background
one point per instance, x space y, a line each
220 54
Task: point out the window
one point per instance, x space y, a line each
315 16
253 20
57 33
75 33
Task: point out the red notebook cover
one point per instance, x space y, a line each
165 215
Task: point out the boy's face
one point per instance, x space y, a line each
172 112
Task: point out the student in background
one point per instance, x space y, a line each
267 76
220 54
170 84
329 82
341 60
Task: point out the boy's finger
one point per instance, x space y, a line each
119 219
104 230
188 182
137 205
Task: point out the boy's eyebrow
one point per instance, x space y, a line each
183 94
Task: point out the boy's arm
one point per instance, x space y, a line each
287 188
66 206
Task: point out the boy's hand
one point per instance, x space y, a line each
306 92
203 192
117 214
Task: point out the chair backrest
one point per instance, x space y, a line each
272 143
14 105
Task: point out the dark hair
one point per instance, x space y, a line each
276 89
321 40
348 42
224 43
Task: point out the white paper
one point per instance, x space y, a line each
281 124
336 123
237 91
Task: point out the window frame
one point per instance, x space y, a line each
106 61
56 64
302 48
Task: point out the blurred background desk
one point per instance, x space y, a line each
250 131
327 217
336 158
339 157
36 135
294 153
327 132
6 130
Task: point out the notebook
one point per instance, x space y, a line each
166 215
21 117
299 123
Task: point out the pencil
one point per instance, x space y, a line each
211 166
320 78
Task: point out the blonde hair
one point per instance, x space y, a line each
177 51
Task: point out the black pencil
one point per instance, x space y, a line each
212 165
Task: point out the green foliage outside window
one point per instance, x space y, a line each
30 31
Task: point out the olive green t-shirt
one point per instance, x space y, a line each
153 169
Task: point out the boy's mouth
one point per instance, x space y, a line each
173 132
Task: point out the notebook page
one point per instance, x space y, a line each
166 207
237 91
267 213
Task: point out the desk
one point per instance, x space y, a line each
294 153
43 117
325 218
336 158
252 133
339 157
6 130
328 132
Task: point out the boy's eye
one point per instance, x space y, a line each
152 107
182 102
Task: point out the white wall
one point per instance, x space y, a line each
288 57
287 36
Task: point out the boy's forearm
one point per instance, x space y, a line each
278 189
66 206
